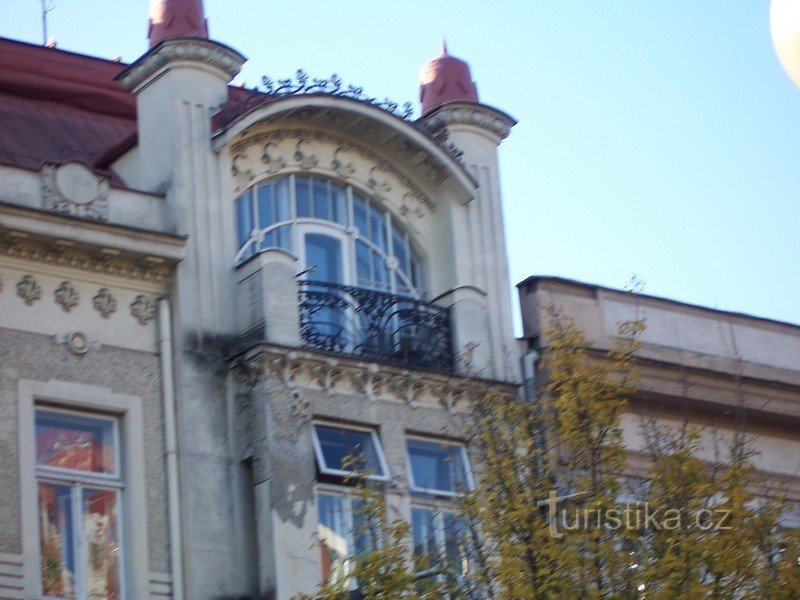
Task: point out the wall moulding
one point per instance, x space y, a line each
302 369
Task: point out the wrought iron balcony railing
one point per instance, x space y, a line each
375 325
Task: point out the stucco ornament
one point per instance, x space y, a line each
305 161
105 303
343 169
73 189
67 297
143 309
77 343
273 164
29 289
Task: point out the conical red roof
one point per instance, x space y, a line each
176 18
445 79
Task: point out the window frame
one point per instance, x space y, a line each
400 279
92 401
347 496
433 492
322 465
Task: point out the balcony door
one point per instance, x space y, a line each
324 255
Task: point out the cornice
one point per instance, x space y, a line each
467 113
225 61
105 264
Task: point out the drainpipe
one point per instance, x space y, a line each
171 446
529 373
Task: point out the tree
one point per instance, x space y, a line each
547 518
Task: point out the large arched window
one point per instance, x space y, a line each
338 233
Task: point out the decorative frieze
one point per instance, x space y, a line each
67 297
299 369
302 159
74 259
29 289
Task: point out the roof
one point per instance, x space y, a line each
59 106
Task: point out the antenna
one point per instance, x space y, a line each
47 6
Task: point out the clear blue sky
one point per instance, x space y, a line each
658 139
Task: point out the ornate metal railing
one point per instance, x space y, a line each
375 325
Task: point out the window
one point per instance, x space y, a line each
343 533
368 247
334 446
79 485
438 467
438 537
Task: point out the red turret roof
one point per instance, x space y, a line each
175 19
445 79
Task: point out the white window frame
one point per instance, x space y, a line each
93 401
433 491
376 442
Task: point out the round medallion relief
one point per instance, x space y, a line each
77 183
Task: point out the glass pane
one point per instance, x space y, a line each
244 218
378 228
364 529
284 237
363 260
266 211
333 536
436 466
360 208
416 273
324 253
400 247
280 195
101 536
338 204
339 445
303 196
422 525
75 442
321 200
57 544
454 536
381 272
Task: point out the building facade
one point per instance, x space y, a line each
719 371
210 295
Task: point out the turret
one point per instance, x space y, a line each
450 106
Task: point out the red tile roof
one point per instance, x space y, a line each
58 106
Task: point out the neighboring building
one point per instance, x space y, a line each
336 279
695 362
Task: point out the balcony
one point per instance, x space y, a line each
377 326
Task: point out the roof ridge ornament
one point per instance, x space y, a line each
303 84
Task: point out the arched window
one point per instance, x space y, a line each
338 233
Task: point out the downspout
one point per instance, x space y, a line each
529 373
171 446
